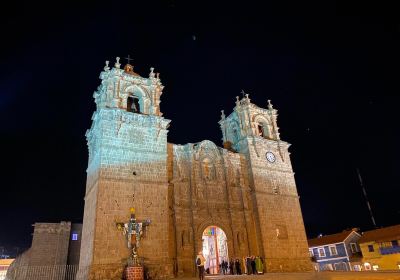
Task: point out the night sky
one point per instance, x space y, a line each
331 70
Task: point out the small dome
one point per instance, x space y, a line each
129 70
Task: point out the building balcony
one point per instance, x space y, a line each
389 250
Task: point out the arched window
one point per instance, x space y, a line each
132 104
260 130
263 130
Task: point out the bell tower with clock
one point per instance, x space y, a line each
280 233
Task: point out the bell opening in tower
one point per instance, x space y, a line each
132 104
260 130
215 249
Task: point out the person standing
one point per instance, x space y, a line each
253 265
238 268
248 265
231 267
259 265
200 261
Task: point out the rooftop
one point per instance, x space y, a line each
330 239
381 234
6 261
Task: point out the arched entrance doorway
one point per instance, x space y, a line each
215 248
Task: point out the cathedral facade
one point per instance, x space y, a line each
247 188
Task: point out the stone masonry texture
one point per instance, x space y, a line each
184 189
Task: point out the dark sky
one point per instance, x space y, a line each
331 70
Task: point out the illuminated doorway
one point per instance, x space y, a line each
215 249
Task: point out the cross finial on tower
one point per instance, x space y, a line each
129 59
243 93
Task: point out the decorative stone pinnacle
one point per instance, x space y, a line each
158 75
222 115
107 68
117 64
270 105
151 72
237 98
247 97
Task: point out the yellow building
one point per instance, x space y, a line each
380 248
4 265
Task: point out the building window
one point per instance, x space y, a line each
371 248
132 104
375 267
353 247
74 236
260 130
321 252
333 250
395 243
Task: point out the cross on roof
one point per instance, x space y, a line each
243 93
129 59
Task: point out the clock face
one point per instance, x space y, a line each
270 156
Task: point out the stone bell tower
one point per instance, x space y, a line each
127 168
279 227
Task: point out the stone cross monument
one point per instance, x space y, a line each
133 231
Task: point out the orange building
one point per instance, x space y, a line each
4 265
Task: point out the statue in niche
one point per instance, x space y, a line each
183 191
200 192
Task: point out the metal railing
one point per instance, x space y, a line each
45 272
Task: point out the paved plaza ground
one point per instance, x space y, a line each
310 276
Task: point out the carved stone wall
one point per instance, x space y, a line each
209 188
184 189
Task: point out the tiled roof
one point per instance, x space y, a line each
329 239
381 234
